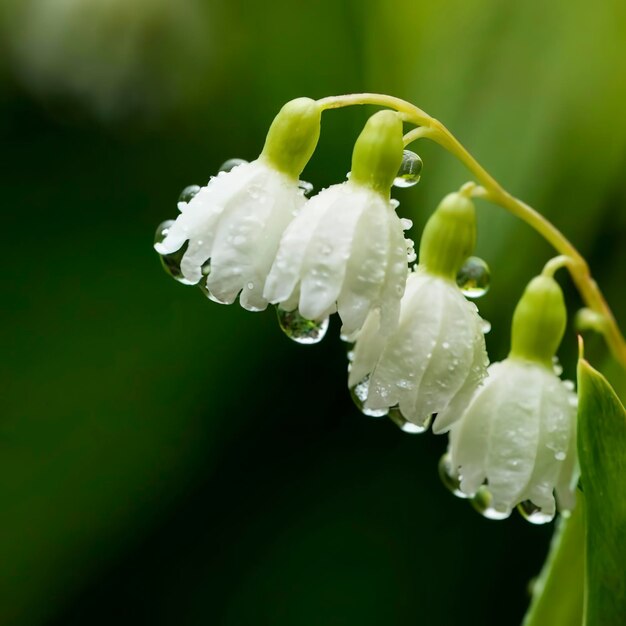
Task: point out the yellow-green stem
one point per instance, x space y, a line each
429 127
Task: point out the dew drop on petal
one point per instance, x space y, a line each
534 514
560 456
306 187
188 193
395 415
410 169
171 262
359 397
300 329
569 385
449 478
482 502
473 277
231 164
485 326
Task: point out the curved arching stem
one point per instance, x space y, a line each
430 128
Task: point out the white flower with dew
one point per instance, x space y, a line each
436 356
516 438
236 221
346 249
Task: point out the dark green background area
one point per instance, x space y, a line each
166 460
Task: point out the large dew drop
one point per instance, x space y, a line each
395 415
449 477
231 164
359 397
534 514
482 502
300 329
473 277
188 193
410 169
171 262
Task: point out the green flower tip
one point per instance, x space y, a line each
293 135
377 154
539 321
449 236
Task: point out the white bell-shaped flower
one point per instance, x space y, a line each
344 252
346 249
236 221
514 442
436 356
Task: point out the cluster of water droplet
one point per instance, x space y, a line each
482 500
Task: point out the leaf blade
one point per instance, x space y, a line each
602 454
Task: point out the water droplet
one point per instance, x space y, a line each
410 169
206 270
404 425
560 456
307 188
188 193
556 366
359 397
485 326
227 166
449 477
406 224
569 385
410 251
171 262
534 514
473 277
300 329
482 502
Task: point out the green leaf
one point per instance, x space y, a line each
558 592
602 452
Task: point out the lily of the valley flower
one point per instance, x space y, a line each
515 439
237 220
436 356
346 249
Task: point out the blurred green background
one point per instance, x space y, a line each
166 460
